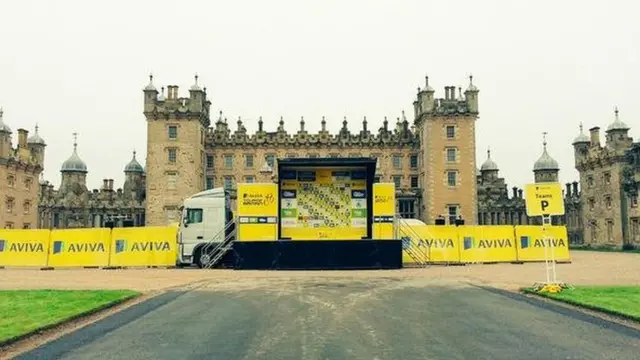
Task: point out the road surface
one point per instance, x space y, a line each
320 318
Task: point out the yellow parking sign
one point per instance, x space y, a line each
544 199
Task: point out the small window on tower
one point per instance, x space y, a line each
452 178
173 132
451 131
414 182
172 156
413 161
210 161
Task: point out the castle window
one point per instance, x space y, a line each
451 132
172 156
607 202
451 155
172 180
397 181
452 178
592 204
249 179
413 161
635 228
270 159
228 161
590 181
27 207
8 225
10 203
27 183
228 182
593 229
11 180
634 200
609 229
210 161
414 182
248 160
452 213
210 182
397 162
173 132
607 178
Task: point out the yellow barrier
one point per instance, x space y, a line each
24 247
530 243
143 246
487 244
434 244
79 247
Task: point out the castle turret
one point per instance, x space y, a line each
617 134
5 137
581 146
545 168
133 187
489 169
74 170
36 145
471 95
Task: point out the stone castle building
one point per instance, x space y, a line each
73 205
431 159
609 177
20 168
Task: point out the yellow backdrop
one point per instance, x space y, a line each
257 212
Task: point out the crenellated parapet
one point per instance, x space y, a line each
403 136
157 106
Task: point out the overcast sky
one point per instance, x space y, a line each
540 65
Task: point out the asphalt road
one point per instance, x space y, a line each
343 319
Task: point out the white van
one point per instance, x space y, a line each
203 220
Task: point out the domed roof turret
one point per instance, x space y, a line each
133 165
471 86
617 124
35 139
150 87
195 86
582 138
4 127
74 163
545 162
489 165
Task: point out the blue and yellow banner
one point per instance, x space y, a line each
24 247
530 242
79 247
143 246
432 244
487 244
257 212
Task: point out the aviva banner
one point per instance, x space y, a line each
434 244
79 247
24 247
487 244
143 246
530 243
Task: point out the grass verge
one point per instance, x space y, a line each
24 312
622 301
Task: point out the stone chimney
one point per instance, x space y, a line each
515 192
105 184
111 184
568 191
22 138
520 193
595 136
575 188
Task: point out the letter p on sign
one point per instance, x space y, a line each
544 199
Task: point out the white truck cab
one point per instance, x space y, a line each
203 219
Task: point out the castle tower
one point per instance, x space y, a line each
133 187
74 170
617 134
545 169
36 145
489 169
5 137
581 146
175 149
447 133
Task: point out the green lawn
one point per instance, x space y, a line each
24 311
617 300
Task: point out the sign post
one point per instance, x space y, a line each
545 200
